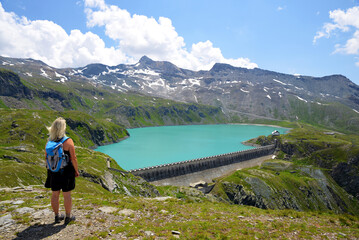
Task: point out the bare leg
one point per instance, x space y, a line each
67 203
55 202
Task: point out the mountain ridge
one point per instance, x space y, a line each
242 94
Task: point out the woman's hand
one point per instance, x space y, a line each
77 173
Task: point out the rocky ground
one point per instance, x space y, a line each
25 213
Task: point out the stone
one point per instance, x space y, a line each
126 212
175 232
6 220
42 213
164 211
127 192
25 210
162 198
198 184
149 233
18 202
108 209
241 217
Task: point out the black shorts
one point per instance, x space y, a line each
63 180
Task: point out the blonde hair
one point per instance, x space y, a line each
57 129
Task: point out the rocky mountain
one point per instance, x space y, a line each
244 93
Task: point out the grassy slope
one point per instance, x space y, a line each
305 163
23 137
193 217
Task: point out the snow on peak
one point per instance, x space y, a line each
268 97
145 71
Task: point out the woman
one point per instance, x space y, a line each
65 179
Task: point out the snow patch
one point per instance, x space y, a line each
146 71
355 111
268 97
28 74
301 99
194 81
79 71
279 82
265 89
43 73
245 91
160 82
112 70
125 84
280 94
250 83
62 77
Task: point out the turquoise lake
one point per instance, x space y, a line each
153 146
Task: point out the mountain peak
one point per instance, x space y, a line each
221 67
145 60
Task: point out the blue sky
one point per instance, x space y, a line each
315 38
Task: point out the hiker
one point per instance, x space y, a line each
62 178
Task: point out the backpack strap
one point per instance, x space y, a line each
64 139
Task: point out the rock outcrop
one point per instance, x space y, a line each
283 185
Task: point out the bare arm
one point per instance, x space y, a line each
69 146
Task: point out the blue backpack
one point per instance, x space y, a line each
56 159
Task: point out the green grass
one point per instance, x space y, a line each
301 186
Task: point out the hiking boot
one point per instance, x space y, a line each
59 218
69 219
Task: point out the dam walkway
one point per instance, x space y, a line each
162 174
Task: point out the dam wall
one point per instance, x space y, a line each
170 170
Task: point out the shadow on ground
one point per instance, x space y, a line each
40 231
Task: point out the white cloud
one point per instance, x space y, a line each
140 35
343 21
95 3
136 35
49 42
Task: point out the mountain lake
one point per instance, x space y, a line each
151 146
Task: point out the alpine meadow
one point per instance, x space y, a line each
108 70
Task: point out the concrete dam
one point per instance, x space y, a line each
171 170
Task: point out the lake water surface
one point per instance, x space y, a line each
152 146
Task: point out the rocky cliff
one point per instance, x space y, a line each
283 185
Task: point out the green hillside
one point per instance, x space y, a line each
315 173
129 109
